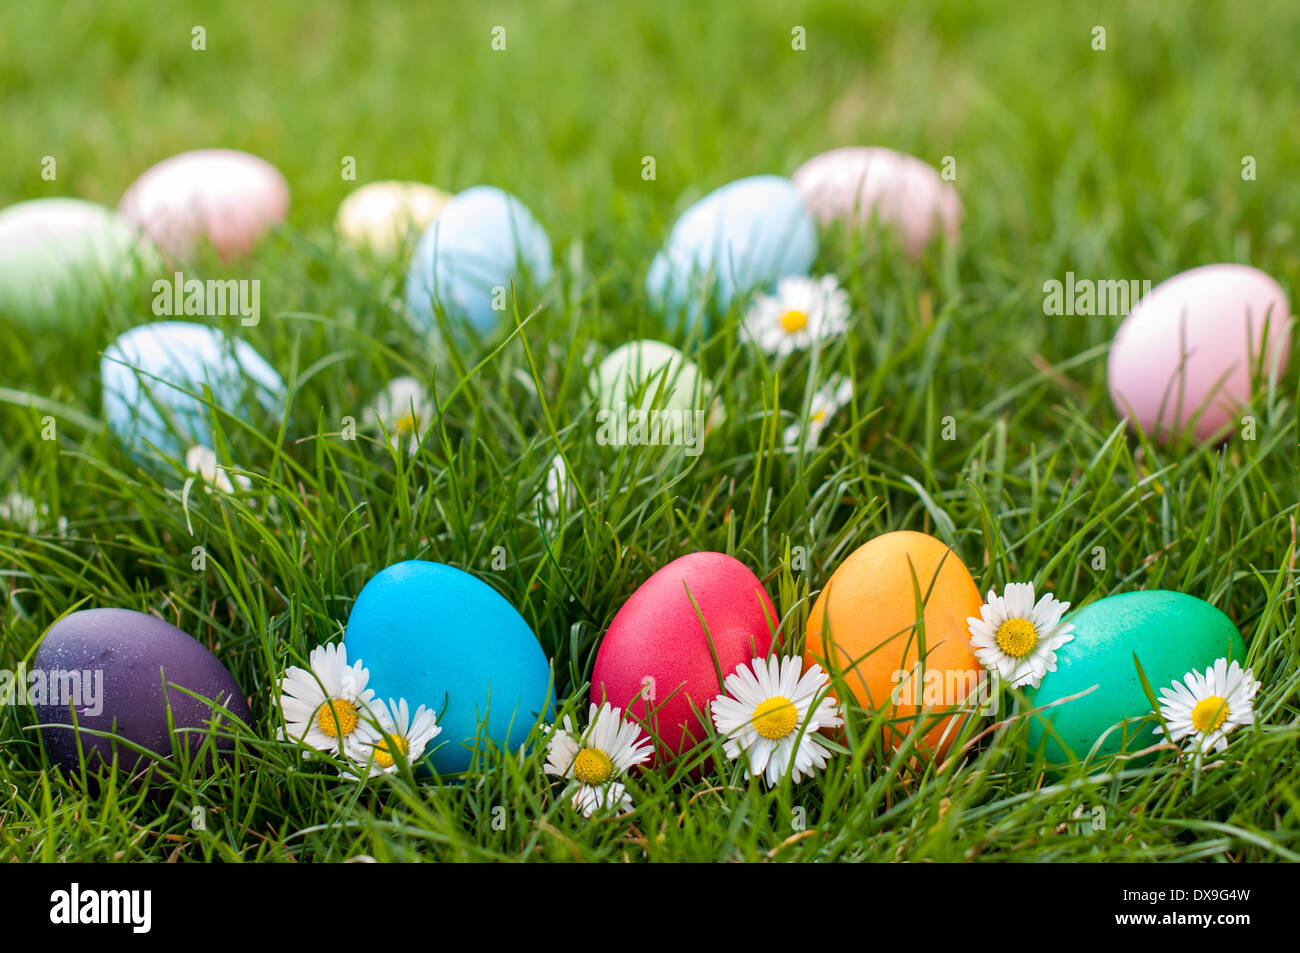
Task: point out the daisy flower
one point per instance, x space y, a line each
404 410
558 487
323 706
593 760
21 511
802 313
1017 638
201 464
398 730
1202 709
767 705
834 394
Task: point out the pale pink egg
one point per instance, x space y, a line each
1193 347
857 184
221 197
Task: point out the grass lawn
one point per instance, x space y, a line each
1113 164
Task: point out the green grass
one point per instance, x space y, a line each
1123 163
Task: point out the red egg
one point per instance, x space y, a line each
656 661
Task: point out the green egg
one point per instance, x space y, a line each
649 374
1170 632
61 258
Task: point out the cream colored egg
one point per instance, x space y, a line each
382 216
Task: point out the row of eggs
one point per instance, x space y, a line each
161 382
1184 360
740 237
440 637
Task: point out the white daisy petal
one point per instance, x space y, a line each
595 758
802 314
1017 637
323 709
404 410
768 717
1200 710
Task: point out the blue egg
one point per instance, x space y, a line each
151 372
741 237
482 240
438 637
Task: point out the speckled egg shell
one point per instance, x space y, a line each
741 237
864 625
1190 346
439 637
655 661
58 255
859 184
147 408
144 664
1170 632
382 216
482 239
222 197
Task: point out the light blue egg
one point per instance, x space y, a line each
441 638
482 240
741 237
150 373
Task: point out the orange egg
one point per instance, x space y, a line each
867 614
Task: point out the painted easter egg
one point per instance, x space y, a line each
656 661
647 374
383 216
121 671
1170 632
220 197
864 625
464 263
741 237
859 185
439 637
1190 349
153 378
58 256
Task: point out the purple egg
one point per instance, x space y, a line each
128 666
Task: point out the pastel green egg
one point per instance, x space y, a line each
648 374
61 258
650 392
1170 632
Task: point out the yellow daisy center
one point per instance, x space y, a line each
406 424
1210 713
1017 637
592 766
818 416
337 718
794 320
775 717
384 757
